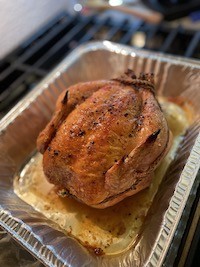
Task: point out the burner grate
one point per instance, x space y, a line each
22 69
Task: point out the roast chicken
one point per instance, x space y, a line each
105 139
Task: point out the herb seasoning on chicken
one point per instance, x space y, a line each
105 139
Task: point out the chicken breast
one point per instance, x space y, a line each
105 139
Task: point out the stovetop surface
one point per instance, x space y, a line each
24 67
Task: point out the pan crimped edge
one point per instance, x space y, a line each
32 229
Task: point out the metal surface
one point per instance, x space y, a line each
19 130
11 254
21 70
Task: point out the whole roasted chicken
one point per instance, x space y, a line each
105 139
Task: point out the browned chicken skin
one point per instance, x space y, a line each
105 139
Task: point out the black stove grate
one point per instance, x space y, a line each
22 69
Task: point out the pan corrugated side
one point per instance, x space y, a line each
21 126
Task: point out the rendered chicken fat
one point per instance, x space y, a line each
105 139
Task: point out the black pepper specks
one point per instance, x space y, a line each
74 133
81 133
90 146
71 133
56 152
98 251
139 122
63 193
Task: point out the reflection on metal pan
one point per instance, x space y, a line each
20 128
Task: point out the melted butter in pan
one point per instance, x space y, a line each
113 229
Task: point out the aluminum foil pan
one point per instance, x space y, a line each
19 130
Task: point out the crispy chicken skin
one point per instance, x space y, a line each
105 139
